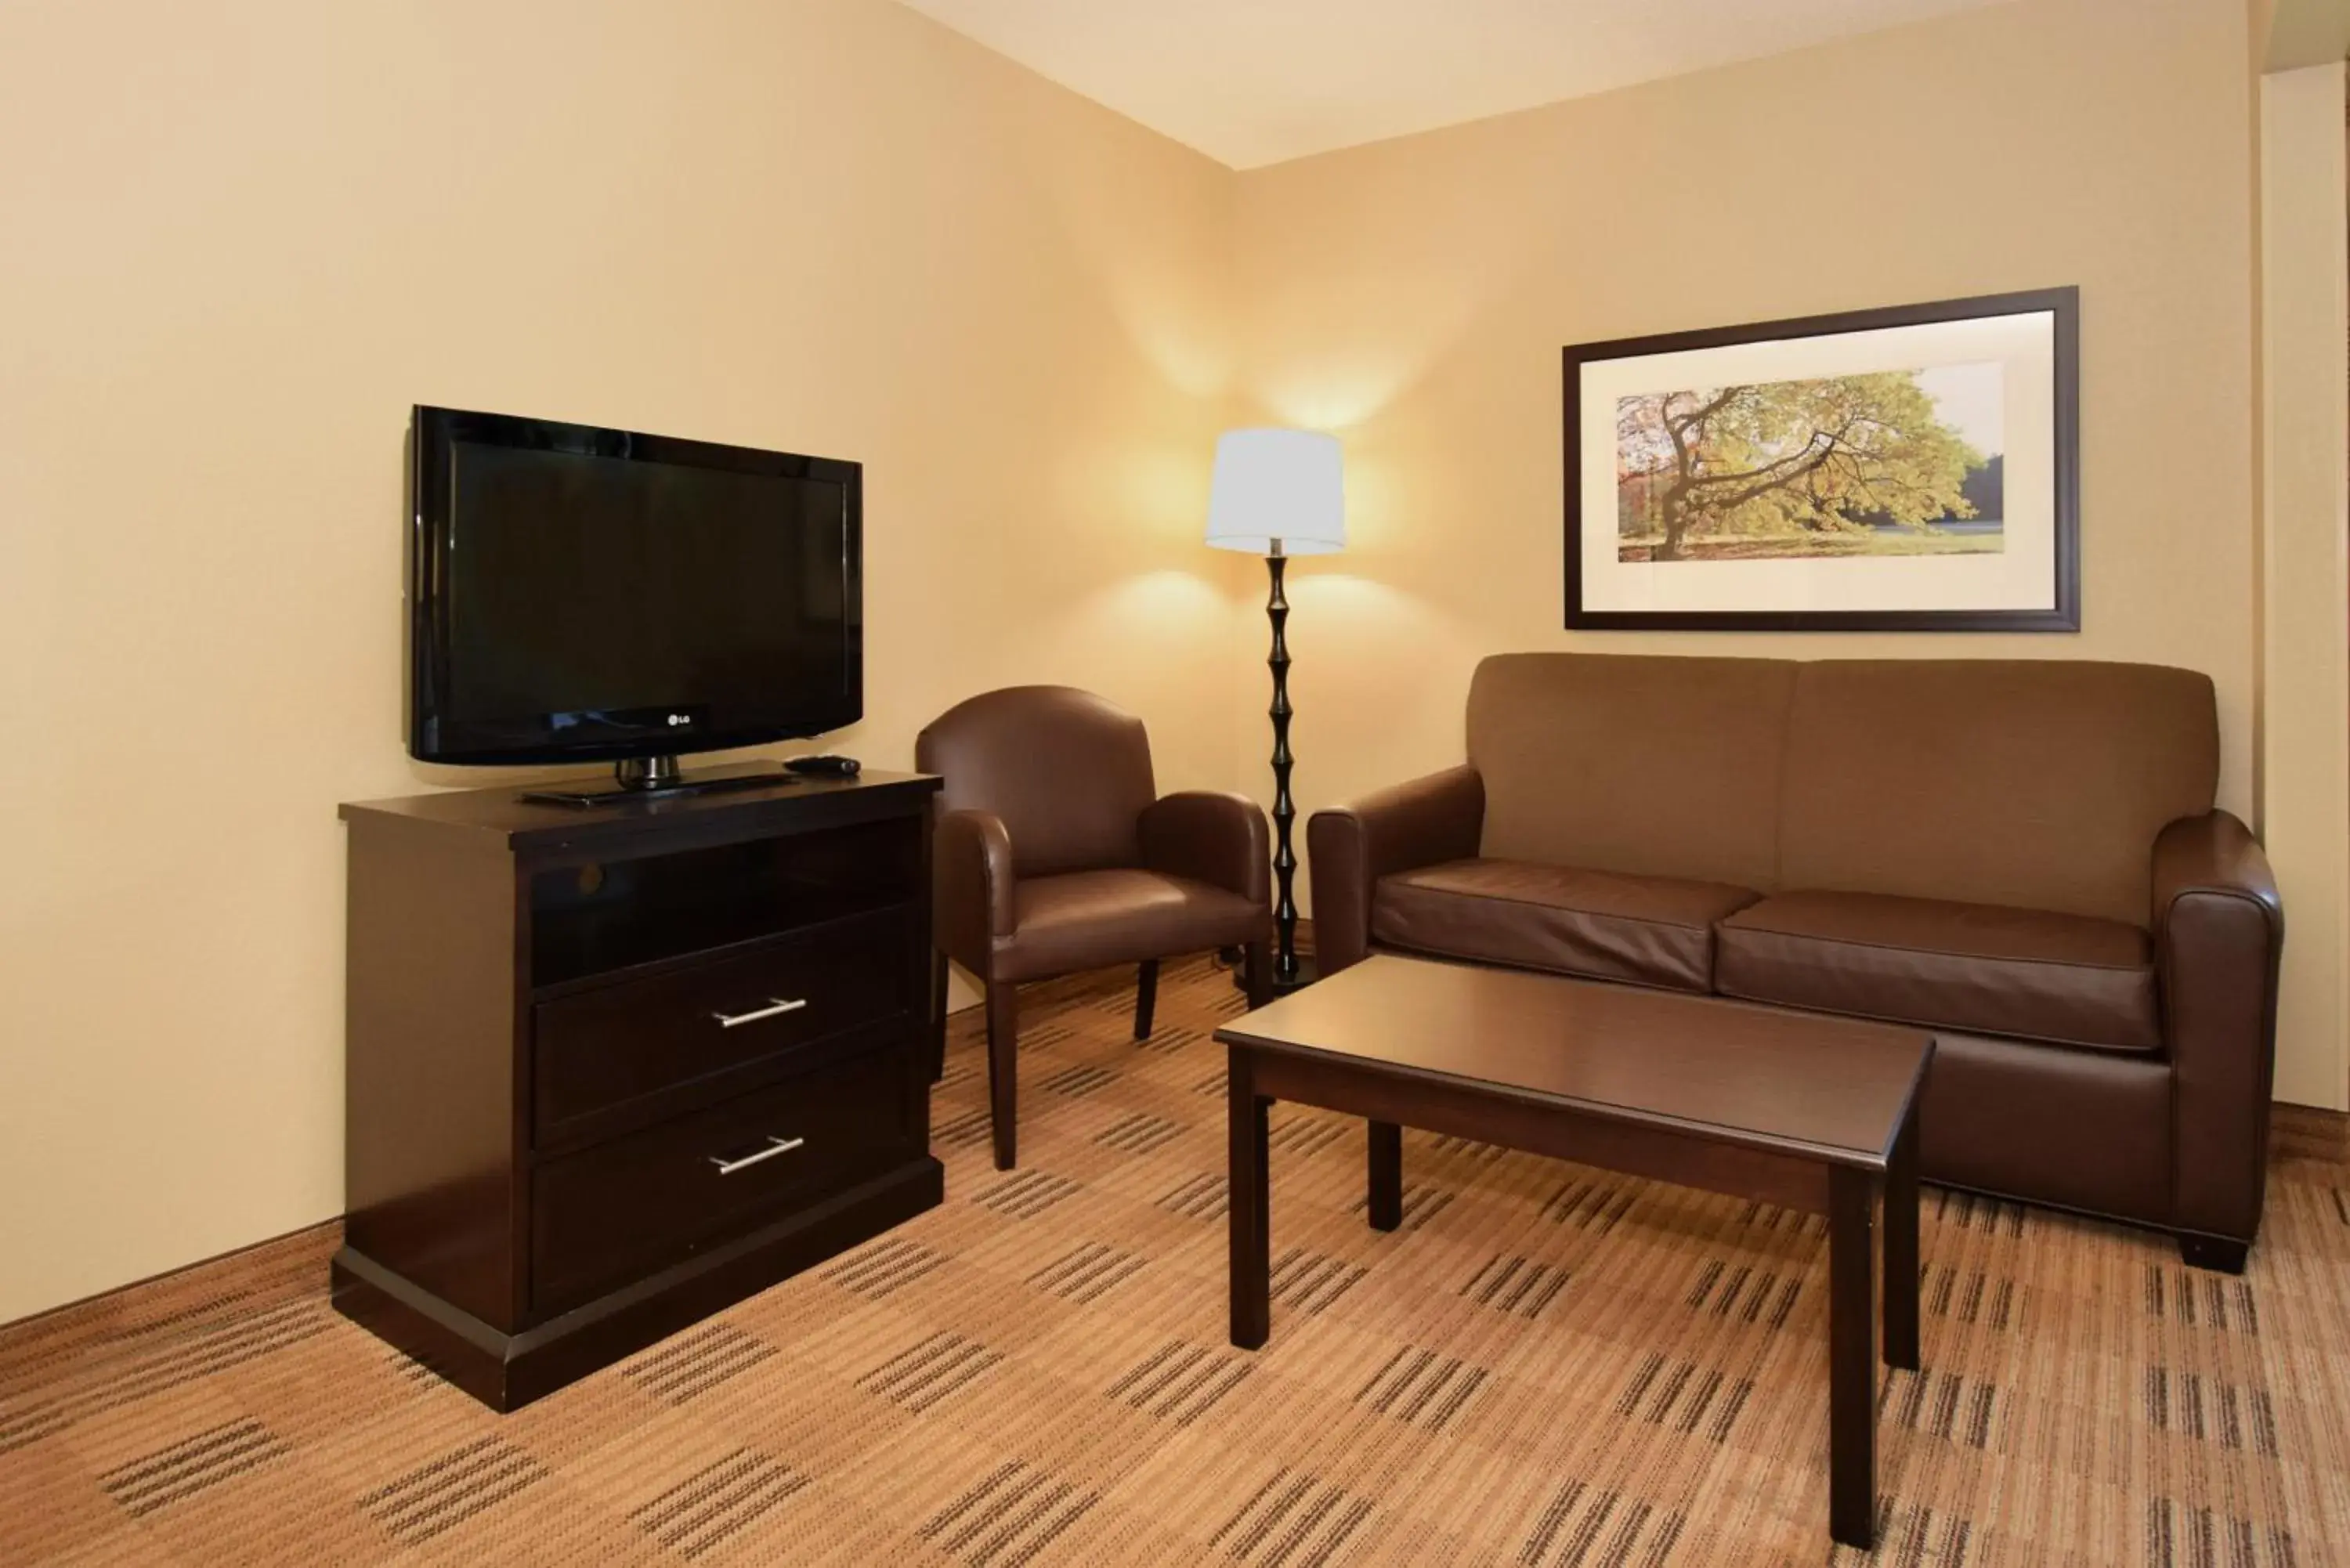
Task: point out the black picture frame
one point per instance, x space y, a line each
2064 305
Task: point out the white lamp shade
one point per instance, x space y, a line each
1277 489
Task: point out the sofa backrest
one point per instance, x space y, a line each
1664 767
2038 784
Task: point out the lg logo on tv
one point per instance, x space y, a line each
677 719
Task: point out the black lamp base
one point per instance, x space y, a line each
1237 962
1305 977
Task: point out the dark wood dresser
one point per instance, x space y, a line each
610 1069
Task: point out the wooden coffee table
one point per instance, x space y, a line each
1810 1113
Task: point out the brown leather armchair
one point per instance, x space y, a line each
1056 853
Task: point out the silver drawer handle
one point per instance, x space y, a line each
779 1145
729 1020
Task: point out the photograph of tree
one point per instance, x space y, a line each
1900 468
1892 462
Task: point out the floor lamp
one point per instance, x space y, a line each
1278 493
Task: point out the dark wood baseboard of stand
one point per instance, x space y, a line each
506 1371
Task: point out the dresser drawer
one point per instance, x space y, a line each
625 1207
644 1039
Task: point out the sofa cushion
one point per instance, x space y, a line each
1644 765
2035 784
2065 978
1651 931
1085 920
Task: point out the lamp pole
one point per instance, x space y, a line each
1285 976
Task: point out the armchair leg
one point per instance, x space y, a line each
1003 1070
938 1016
1146 997
1257 960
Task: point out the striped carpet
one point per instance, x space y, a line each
1546 1366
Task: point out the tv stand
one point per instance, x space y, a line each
608 1072
659 778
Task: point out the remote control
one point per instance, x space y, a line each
828 765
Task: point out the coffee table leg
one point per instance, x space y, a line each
1852 1358
1249 1201
1386 1199
1901 1249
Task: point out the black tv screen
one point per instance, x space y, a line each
580 593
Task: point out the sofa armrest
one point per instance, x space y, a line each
2219 929
1209 837
971 878
1351 847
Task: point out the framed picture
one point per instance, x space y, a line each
1915 469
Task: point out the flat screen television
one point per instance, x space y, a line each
579 594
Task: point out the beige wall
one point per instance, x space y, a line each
1414 295
242 239
2305 730
240 242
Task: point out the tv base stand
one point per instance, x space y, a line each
659 778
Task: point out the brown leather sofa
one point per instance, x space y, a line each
2020 857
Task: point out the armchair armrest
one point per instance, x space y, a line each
1351 847
1209 837
971 878
2219 929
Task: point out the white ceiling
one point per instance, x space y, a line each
1251 82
